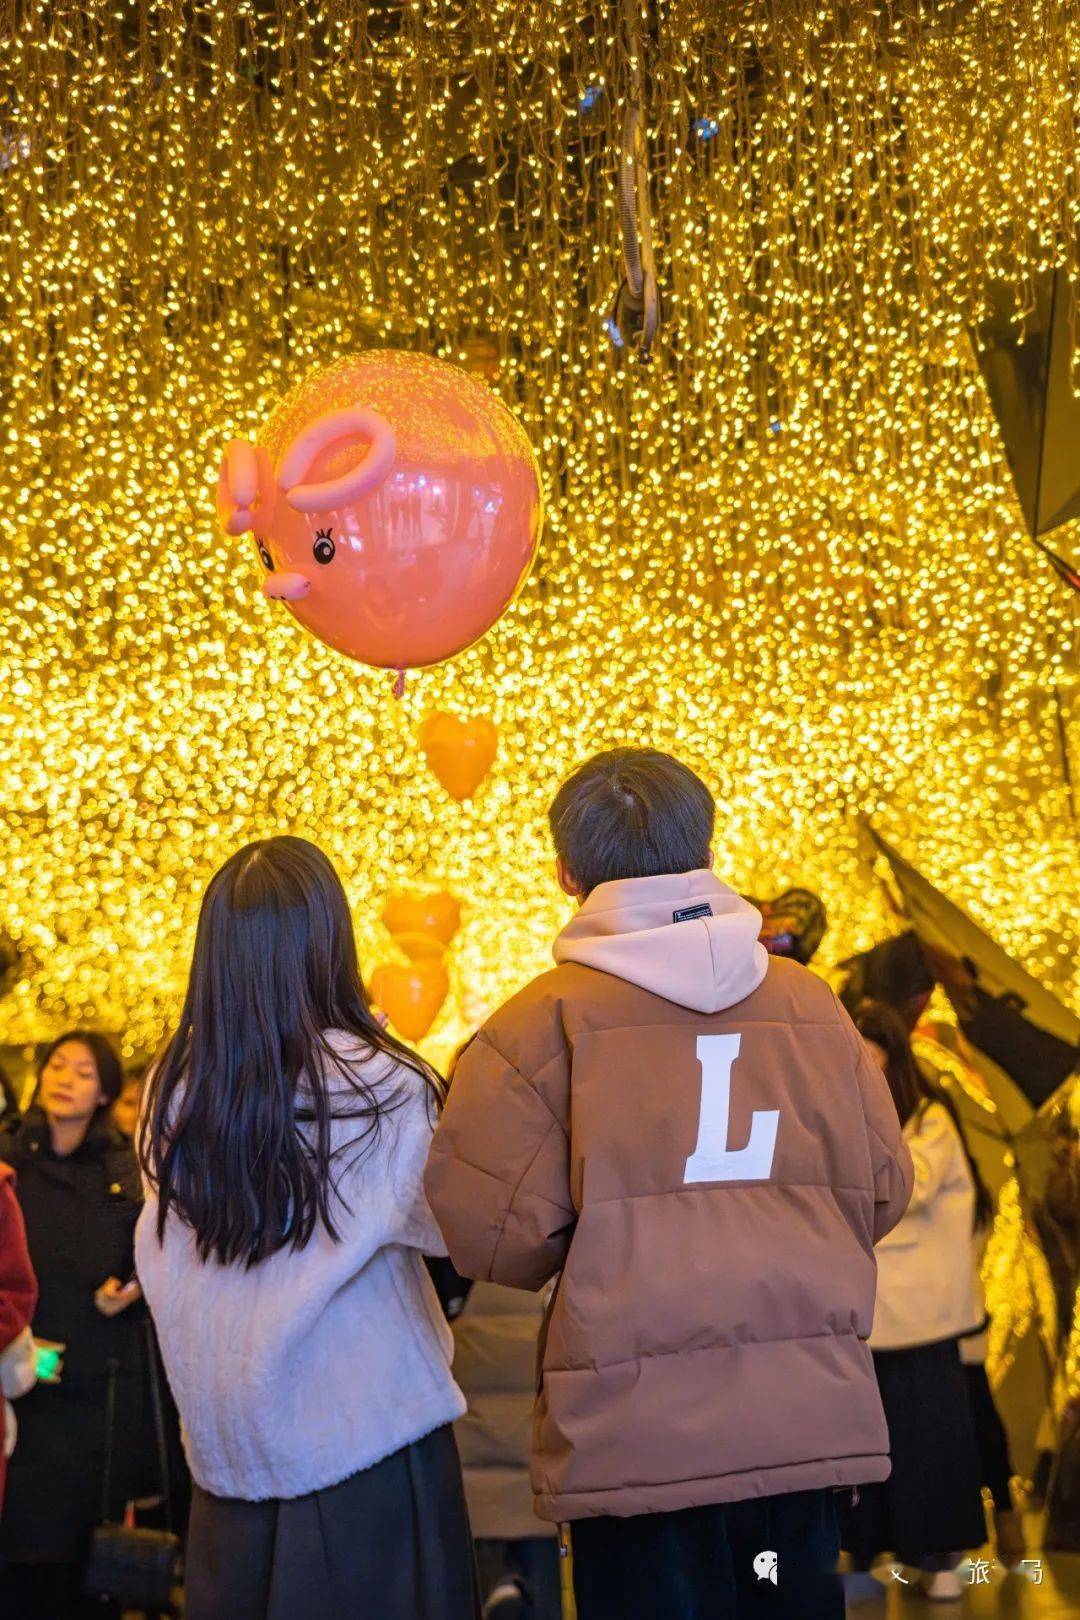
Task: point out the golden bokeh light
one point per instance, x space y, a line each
788 547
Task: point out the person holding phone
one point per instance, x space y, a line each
78 1187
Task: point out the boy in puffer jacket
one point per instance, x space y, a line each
692 1133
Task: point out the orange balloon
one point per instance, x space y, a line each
410 994
420 947
460 752
422 924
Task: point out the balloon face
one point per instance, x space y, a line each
392 503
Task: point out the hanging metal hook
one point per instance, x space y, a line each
635 317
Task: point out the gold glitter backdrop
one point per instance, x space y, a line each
787 547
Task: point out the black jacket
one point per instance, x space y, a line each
80 1214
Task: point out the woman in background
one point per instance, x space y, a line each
78 1186
896 973
281 1254
495 1356
496 1332
931 1506
125 1111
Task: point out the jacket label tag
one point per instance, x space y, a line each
688 913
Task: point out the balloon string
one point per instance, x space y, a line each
399 684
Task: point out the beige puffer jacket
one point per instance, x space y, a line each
495 1341
710 1177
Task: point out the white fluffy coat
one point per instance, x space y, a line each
306 1368
927 1288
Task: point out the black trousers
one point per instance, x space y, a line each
49 1592
530 1561
931 1504
390 1543
710 1563
996 1465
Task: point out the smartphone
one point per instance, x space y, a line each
49 1358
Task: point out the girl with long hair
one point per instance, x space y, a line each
283 1141
78 1187
928 1303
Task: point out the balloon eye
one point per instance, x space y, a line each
267 560
323 549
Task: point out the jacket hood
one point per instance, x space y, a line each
688 938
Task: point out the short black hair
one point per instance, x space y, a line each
630 813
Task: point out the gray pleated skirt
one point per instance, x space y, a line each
390 1543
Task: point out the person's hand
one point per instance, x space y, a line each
49 1359
114 1296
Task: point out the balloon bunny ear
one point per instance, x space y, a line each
335 429
239 486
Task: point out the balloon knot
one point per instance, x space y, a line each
399 684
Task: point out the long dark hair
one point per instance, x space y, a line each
895 973
106 1060
274 969
912 1089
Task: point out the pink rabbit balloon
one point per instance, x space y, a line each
394 503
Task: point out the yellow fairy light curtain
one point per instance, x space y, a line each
787 547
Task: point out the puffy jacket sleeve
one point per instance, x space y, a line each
894 1174
18 1296
498 1176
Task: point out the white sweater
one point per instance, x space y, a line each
926 1279
306 1368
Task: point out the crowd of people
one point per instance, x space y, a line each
685 1258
